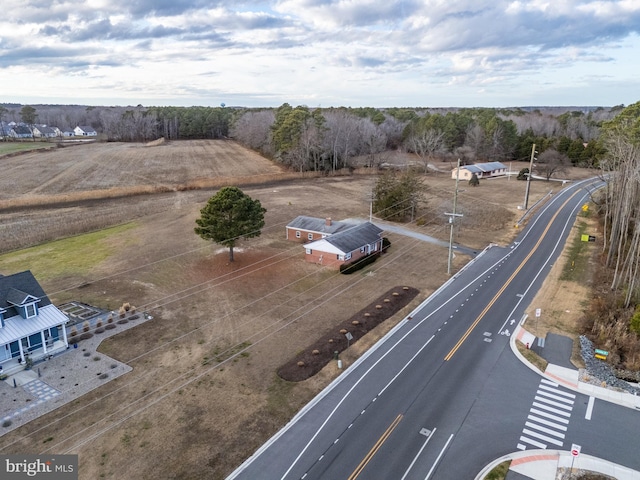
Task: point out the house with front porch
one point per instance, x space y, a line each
346 246
84 131
30 325
482 170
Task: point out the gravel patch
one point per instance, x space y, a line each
598 372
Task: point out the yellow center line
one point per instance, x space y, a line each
506 284
375 448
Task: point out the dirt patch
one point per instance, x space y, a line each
316 356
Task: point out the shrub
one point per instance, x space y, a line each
110 319
634 324
126 306
85 326
348 268
98 323
100 330
74 331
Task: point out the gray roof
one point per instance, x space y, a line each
484 167
319 225
14 289
354 238
86 128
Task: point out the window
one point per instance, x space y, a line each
297 233
308 251
310 236
347 256
363 249
30 310
340 257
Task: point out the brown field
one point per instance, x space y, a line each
204 393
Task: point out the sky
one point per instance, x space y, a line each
321 53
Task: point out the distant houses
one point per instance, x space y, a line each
22 131
84 131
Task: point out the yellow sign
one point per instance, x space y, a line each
585 208
601 357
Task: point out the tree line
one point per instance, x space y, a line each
331 139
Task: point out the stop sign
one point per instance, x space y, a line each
575 450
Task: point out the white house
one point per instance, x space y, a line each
85 131
482 170
30 325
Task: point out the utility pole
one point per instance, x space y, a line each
452 217
526 194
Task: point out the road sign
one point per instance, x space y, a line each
538 312
575 450
602 352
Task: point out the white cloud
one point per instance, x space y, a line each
329 52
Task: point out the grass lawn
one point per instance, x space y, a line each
12 147
76 255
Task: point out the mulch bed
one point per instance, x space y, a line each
316 356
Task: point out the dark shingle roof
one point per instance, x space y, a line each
356 237
319 225
15 288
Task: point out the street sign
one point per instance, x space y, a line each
575 450
538 312
602 352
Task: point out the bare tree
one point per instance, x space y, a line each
426 144
551 162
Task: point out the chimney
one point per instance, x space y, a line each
327 221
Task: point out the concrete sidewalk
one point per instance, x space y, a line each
545 464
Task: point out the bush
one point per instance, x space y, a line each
85 326
348 268
386 243
634 324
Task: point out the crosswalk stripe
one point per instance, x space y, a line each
555 404
549 382
521 446
557 392
568 401
547 439
548 423
544 429
535 443
551 409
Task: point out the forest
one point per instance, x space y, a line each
331 139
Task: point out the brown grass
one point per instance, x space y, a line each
253 314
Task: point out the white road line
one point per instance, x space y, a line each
416 457
533 418
589 408
547 439
568 401
521 446
544 429
548 382
535 443
551 409
555 404
556 391
549 416
439 457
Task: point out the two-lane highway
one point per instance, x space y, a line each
421 403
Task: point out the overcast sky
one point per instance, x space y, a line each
321 53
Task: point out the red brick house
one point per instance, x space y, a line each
306 229
345 246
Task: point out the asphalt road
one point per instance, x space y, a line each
443 395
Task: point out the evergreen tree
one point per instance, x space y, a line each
228 216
